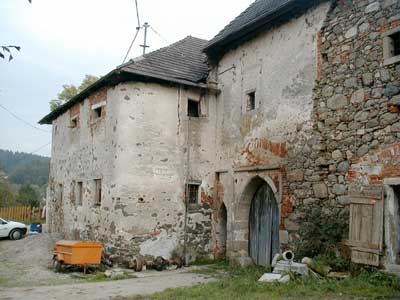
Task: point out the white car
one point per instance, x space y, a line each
13 230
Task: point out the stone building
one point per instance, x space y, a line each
298 103
125 150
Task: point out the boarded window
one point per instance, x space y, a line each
193 193
97 194
251 101
366 224
79 193
193 108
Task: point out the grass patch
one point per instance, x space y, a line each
241 284
101 277
3 281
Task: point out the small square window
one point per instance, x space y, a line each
74 122
193 108
97 194
251 101
98 112
391 46
193 193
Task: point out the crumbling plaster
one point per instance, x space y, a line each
280 65
139 150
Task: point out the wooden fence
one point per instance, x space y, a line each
20 213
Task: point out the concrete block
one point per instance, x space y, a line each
270 277
284 267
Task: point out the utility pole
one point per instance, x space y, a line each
144 46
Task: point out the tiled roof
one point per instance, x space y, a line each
257 11
182 60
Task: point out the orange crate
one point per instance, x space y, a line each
78 252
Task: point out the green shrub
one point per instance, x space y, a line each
322 227
335 261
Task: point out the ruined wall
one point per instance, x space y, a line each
280 66
138 148
355 137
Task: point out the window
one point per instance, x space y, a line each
391 46
251 101
60 193
98 110
72 192
193 108
97 194
396 43
193 193
79 193
74 122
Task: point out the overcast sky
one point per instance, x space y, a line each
62 40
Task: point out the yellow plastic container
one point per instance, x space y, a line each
78 253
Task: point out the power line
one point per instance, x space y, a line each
157 33
130 47
40 148
22 120
137 14
137 31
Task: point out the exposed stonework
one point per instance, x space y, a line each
355 140
325 120
257 144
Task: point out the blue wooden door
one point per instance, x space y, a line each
263 226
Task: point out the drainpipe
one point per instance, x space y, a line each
185 254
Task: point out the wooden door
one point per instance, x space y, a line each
366 224
263 226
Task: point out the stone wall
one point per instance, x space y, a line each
355 134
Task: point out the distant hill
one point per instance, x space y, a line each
24 168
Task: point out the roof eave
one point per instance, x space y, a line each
219 46
49 118
82 95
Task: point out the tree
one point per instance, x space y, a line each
87 81
69 91
7 50
28 196
7 197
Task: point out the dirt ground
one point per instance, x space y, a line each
24 275
24 262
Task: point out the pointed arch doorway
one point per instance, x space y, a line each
263 226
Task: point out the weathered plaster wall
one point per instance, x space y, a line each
139 150
280 65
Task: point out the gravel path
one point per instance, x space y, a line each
106 290
24 275
25 262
